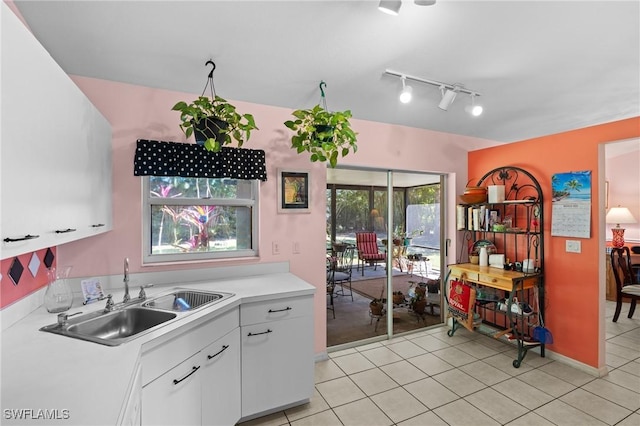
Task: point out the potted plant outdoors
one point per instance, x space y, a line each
377 307
214 122
324 134
418 302
398 297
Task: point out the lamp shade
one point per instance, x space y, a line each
620 215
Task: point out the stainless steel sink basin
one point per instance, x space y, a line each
113 328
182 300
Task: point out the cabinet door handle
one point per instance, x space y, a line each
176 381
26 237
64 231
258 334
280 310
97 225
224 348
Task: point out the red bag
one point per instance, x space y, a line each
462 299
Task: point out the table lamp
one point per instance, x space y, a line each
619 215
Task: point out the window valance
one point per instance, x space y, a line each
158 158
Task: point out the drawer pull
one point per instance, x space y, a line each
176 381
271 311
64 231
97 225
258 334
26 237
224 348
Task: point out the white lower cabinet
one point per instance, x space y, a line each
193 378
131 413
277 354
221 381
174 398
237 365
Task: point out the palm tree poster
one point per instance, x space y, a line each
571 204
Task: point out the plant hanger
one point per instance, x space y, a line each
212 120
209 82
323 98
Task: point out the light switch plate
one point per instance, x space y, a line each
573 246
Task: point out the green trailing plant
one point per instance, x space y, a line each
215 118
231 124
325 135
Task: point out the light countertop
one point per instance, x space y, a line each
89 382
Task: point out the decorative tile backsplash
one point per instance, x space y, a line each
22 275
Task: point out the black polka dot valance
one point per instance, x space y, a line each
157 158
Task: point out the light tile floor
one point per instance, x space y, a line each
429 378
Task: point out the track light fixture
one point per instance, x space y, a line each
474 109
405 95
448 91
448 96
391 7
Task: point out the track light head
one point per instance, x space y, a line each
448 96
391 7
406 94
474 109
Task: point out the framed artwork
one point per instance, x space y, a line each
606 195
293 191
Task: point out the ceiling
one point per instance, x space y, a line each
541 67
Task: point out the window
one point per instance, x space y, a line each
188 218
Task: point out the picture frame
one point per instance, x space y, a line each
293 191
606 195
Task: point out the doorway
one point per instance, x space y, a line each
401 207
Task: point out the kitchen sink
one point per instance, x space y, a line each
112 328
185 300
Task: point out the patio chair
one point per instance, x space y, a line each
368 252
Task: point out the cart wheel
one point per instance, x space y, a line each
516 363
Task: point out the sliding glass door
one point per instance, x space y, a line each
357 201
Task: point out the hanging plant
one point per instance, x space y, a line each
324 134
213 121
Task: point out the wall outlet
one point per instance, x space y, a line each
573 246
275 247
296 247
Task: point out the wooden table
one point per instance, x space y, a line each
511 281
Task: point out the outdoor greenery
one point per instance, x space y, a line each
354 212
183 222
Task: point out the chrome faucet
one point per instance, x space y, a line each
127 297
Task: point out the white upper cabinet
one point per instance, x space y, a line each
56 150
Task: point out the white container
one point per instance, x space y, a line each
528 266
496 193
484 257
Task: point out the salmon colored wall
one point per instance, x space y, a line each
574 291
